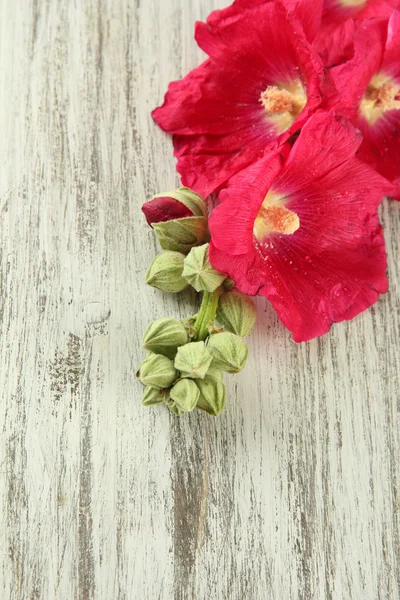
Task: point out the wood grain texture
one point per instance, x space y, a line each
293 492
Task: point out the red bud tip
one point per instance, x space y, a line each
163 209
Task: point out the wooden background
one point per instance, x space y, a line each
293 492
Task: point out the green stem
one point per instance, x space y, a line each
206 314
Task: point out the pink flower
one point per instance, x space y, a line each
261 83
300 227
369 87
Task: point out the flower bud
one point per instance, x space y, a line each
164 336
189 325
193 360
236 313
199 272
229 284
184 396
165 272
178 204
181 235
215 373
229 352
153 396
157 371
212 395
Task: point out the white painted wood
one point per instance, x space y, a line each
292 493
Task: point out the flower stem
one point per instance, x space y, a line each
206 314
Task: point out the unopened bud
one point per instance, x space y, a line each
193 360
215 373
153 396
236 313
229 352
212 395
164 336
184 396
177 204
157 371
199 272
165 272
181 235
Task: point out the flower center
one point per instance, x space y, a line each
283 103
274 217
382 95
352 2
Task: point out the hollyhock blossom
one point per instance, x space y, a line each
369 87
300 227
261 83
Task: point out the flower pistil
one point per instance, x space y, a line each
382 95
284 102
274 217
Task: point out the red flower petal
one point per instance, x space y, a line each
337 12
215 112
333 266
335 44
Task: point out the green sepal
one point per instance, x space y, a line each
153 396
198 271
183 396
157 371
165 272
164 336
229 352
193 360
212 395
181 235
236 313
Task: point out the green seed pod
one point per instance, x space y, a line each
193 360
164 336
199 272
229 352
184 396
212 395
181 235
153 396
157 371
165 272
236 313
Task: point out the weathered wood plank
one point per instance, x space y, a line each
294 491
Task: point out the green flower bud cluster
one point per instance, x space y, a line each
184 372
187 359
172 271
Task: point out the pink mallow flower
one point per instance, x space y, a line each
369 92
300 226
261 83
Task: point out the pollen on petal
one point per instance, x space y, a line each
283 103
382 95
274 217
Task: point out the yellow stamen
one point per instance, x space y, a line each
352 3
284 102
274 217
382 95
